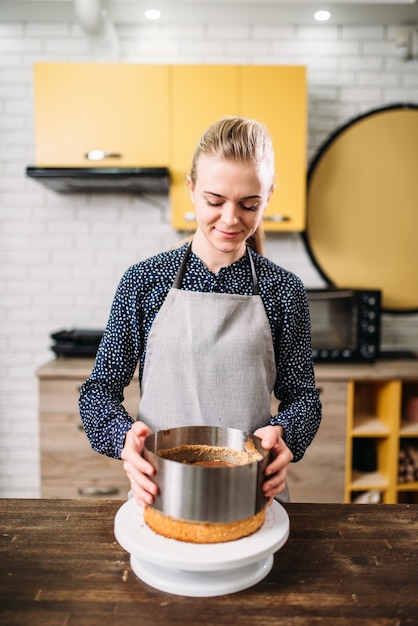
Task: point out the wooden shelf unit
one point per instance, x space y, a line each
376 422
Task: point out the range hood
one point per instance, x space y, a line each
102 179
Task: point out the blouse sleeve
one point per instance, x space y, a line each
300 408
104 418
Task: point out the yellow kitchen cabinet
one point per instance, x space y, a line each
153 115
276 95
200 95
118 108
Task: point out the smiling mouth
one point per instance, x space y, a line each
228 234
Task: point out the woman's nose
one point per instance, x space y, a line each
229 215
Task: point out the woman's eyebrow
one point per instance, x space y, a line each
218 195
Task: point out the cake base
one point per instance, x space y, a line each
202 532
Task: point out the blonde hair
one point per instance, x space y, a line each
238 139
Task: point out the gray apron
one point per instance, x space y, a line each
209 360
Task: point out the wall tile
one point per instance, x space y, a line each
61 257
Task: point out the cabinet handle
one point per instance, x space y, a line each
100 155
276 218
189 216
92 492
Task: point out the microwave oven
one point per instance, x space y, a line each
345 324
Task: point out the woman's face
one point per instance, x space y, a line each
229 199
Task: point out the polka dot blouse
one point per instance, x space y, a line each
139 297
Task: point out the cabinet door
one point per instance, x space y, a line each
319 476
276 96
273 95
59 396
118 108
200 95
69 467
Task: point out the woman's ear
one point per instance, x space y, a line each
272 188
269 193
191 187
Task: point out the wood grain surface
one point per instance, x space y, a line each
342 565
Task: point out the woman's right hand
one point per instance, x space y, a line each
136 467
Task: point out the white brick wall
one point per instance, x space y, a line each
62 256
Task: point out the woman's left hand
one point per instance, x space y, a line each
280 455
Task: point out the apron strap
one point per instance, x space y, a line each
256 290
179 278
180 274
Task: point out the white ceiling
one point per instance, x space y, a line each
228 11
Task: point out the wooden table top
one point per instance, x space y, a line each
342 565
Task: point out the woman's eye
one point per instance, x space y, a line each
219 203
253 207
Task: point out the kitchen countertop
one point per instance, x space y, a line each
403 369
60 565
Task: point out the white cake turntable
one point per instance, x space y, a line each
200 570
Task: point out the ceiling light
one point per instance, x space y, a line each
152 14
322 16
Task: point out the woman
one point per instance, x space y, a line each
215 326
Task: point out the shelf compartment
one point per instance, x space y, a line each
365 481
375 402
371 496
413 486
369 463
370 426
409 409
407 496
407 461
408 429
370 454
362 482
